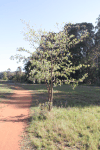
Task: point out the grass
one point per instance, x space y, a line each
73 123
4 91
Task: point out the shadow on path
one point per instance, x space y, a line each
19 118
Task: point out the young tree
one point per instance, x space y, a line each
51 55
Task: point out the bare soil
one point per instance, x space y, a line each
14 115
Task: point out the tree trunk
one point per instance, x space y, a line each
51 98
97 72
49 95
52 94
51 88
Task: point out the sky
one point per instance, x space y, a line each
39 14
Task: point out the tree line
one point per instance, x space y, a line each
15 76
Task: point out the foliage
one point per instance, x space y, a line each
18 74
9 73
81 52
97 48
19 78
23 78
5 76
28 67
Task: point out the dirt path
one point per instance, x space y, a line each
13 119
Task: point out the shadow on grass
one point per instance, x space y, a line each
5 95
5 92
64 96
6 82
63 100
32 86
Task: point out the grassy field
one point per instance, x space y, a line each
73 123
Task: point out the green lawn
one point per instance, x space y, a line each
73 123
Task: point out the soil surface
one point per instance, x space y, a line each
14 114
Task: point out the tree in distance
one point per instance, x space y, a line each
5 76
51 55
8 73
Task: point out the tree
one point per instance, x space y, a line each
81 52
28 67
8 73
52 55
5 76
18 74
97 48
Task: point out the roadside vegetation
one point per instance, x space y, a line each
73 123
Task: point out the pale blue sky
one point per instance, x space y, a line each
39 12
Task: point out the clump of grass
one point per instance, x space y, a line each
41 113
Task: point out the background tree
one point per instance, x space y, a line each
8 73
5 76
28 67
97 48
81 52
18 74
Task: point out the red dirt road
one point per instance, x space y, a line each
13 119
